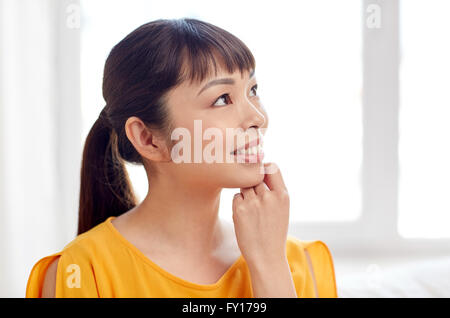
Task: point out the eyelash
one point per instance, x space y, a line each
255 87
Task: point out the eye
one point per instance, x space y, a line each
254 88
222 97
226 96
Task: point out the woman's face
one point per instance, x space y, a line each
232 109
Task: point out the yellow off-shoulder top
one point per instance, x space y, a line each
102 263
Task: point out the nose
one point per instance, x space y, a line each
253 117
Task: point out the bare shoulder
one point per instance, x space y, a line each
49 285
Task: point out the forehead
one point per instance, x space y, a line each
237 75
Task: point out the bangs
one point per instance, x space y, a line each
206 48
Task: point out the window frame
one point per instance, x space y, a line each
375 232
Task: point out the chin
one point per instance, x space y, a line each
249 175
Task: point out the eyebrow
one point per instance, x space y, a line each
220 81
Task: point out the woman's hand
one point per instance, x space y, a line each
261 218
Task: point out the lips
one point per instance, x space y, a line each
252 143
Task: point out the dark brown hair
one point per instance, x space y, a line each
139 72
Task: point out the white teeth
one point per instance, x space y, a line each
250 151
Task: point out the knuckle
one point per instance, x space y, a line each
264 194
240 208
267 198
284 195
255 203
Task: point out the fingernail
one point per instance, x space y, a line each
271 168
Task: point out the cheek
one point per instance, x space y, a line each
218 137
205 142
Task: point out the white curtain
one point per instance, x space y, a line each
40 134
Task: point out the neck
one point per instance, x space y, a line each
183 217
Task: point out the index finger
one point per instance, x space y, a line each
273 178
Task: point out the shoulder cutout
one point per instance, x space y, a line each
49 285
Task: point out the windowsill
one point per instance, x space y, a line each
416 276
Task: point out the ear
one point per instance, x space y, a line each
145 140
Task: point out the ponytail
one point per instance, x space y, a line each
105 188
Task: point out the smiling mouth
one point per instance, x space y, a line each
251 148
253 154
254 150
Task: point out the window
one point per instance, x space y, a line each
313 97
424 141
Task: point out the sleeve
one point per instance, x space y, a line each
323 268
75 277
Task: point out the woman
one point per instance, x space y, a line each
161 77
